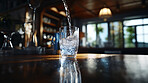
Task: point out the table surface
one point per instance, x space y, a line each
86 68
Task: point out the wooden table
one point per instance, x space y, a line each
87 68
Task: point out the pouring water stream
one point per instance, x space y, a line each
68 16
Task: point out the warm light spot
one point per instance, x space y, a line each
54 9
62 13
105 13
88 56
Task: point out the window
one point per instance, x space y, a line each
116 34
146 35
102 34
133 22
142 36
129 37
91 35
127 34
84 38
138 38
145 20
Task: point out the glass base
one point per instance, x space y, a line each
68 56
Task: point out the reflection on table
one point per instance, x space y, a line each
87 68
69 71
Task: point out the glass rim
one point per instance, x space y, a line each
68 26
73 28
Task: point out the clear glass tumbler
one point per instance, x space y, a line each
69 41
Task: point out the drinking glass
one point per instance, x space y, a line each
7 45
1 39
69 41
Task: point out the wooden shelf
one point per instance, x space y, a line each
50 27
50 16
51 24
48 32
57 13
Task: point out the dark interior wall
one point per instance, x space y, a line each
6 5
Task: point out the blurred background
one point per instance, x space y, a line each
123 29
